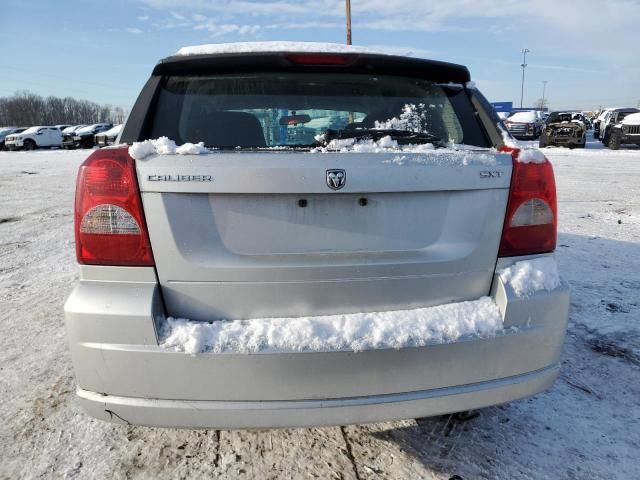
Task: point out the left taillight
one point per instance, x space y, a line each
110 227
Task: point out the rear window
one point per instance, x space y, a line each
290 110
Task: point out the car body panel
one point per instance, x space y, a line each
428 234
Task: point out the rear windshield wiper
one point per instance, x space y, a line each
403 137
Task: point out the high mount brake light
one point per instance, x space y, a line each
110 227
320 59
531 220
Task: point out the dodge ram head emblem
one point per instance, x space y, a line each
336 178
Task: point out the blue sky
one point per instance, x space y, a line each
104 51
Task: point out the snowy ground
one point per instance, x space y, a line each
586 426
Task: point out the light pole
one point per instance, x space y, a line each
524 65
544 88
348 5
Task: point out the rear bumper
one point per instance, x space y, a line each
124 375
299 413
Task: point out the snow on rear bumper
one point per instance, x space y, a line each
123 372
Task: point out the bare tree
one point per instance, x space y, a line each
541 103
27 109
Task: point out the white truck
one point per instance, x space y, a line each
34 137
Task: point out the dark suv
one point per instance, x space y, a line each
616 116
625 131
84 137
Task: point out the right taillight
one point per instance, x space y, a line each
109 222
531 220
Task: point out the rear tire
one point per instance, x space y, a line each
29 144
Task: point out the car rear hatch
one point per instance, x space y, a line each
271 229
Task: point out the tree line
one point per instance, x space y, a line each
24 109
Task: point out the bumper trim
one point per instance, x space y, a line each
303 413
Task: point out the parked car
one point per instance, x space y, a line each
108 137
83 137
269 228
34 137
613 117
563 129
599 121
67 136
626 131
524 124
584 119
62 127
8 131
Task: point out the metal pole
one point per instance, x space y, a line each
544 88
348 22
524 65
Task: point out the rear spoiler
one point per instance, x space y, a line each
278 61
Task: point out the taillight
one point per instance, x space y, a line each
109 222
531 220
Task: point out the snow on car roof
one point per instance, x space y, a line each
89 128
633 119
33 129
523 117
255 47
112 131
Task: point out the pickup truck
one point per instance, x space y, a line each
312 234
34 137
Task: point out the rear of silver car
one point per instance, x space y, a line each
259 232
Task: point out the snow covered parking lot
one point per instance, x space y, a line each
586 426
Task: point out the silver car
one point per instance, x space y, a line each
329 245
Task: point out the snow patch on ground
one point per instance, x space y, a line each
257 47
164 146
580 428
356 331
530 276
